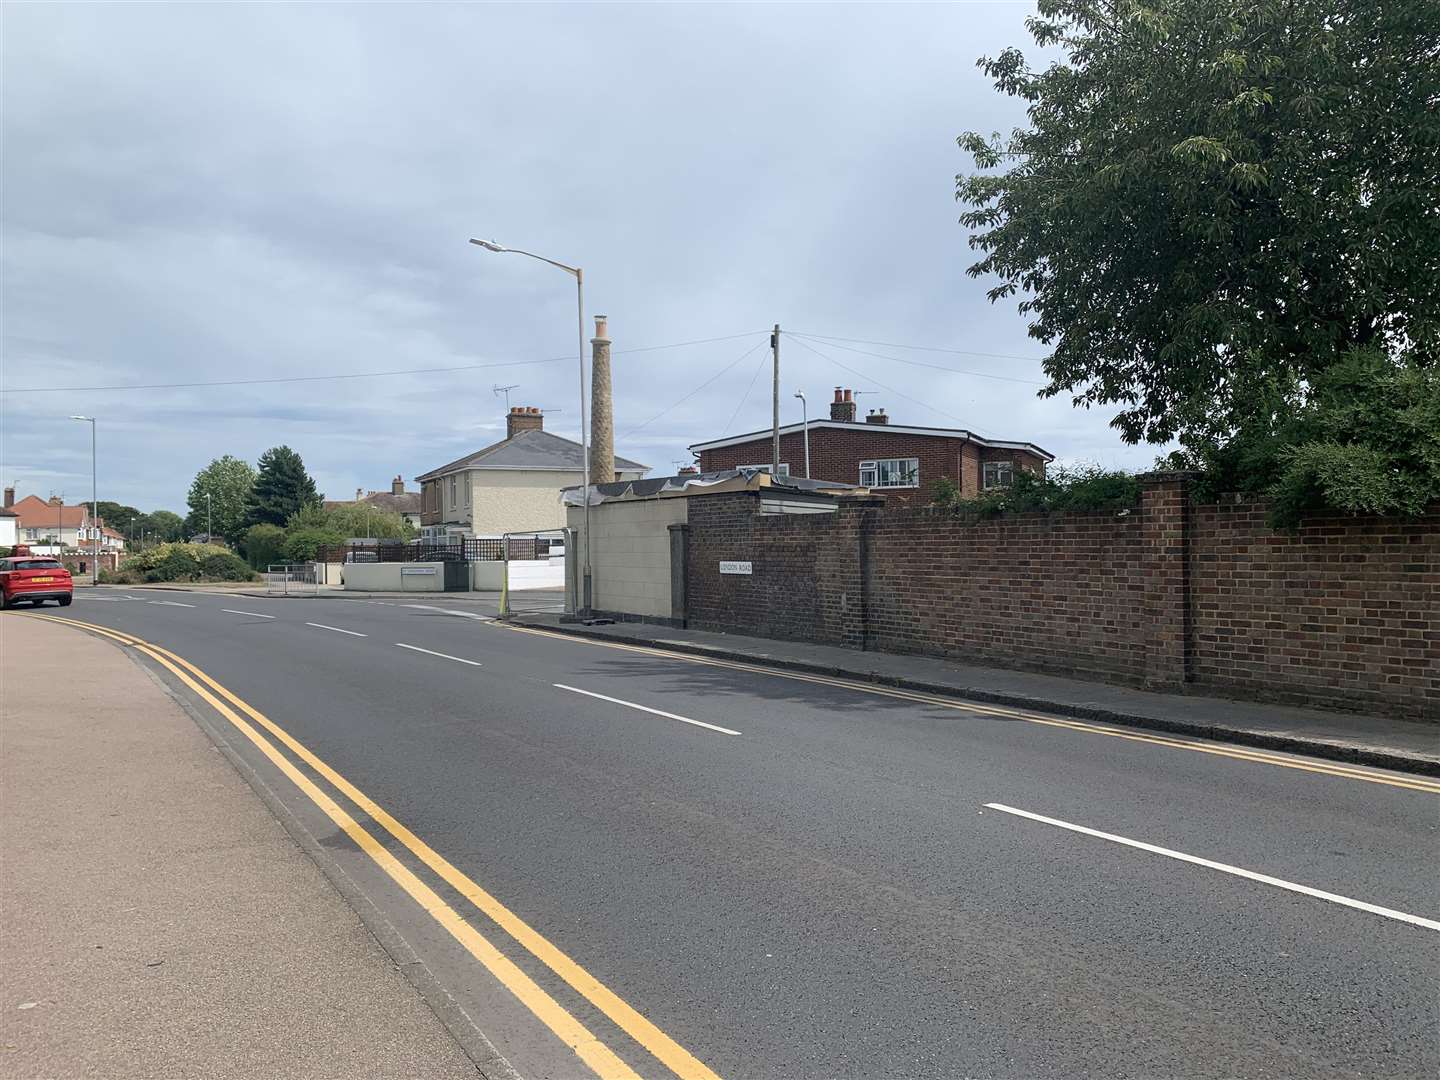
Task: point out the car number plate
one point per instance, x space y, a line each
41 580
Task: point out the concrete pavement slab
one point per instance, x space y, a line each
157 919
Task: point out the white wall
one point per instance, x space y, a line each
386 577
630 553
8 529
521 500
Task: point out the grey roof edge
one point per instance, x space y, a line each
475 459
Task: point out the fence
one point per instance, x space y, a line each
291 579
456 549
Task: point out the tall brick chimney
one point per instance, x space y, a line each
876 416
397 486
521 418
602 416
55 500
9 497
843 407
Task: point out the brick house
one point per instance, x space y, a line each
895 460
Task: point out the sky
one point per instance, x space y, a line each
202 193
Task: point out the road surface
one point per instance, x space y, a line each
614 861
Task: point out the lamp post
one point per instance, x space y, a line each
94 506
209 519
805 425
579 276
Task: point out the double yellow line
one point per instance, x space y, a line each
1238 753
602 1060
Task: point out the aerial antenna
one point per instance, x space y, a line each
497 390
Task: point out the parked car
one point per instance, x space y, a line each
35 578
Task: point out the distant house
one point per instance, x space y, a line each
42 521
395 501
9 528
899 461
510 486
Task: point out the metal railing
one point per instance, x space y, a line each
450 549
291 579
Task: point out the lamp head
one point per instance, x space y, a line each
488 245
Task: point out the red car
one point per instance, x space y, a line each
35 578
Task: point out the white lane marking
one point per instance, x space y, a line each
252 614
645 708
322 626
1265 879
104 599
170 603
450 611
443 656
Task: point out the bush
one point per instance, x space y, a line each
302 544
1086 487
263 545
181 562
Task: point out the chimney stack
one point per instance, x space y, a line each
602 417
359 494
397 486
521 418
9 497
876 416
55 500
843 407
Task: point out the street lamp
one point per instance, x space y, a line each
579 275
805 424
94 506
209 524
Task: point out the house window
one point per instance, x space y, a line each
454 489
998 474
890 473
784 468
467 489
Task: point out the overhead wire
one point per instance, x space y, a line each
918 348
877 382
729 424
920 363
680 401
358 374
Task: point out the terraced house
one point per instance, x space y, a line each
510 486
899 461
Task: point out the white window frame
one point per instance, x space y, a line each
784 468
467 489
999 467
454 490
870 473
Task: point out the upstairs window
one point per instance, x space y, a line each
998 474
890 473
784 468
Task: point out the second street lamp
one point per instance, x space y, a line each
579 276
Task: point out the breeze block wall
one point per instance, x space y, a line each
1172 595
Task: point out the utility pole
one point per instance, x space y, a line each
775 398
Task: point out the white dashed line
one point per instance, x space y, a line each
170 603
252 614
322 626
443 656
645 708
1264 879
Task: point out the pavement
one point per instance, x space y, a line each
693 866
157 919
1384 742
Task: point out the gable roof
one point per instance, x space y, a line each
880 429
534 449
35 513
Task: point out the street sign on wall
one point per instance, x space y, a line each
735 567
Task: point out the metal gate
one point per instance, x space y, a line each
534 572
291 579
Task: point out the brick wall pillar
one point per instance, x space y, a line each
1165 510
679 555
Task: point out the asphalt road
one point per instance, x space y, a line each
820 883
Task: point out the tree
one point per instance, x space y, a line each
227 481
263 545
1215 202
350 520
282 488
164 524
117 516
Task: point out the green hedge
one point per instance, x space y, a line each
180 562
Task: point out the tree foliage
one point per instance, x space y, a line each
180 562
263 545
228 481
1085 487
1366 439
1216 201
282 488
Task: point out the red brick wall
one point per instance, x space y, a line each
836 453
1344 613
